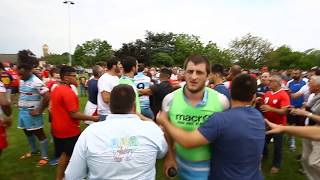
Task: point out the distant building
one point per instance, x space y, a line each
8 58
45 49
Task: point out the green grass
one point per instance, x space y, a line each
11 168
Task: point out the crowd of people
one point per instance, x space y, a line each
206 121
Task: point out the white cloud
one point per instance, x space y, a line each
31 23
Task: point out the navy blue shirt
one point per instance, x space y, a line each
221 88
237 138
93 90
294 87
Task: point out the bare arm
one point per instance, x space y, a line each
146 92
187 139
308 132
80 116
281 111
303 112
105 97
5 104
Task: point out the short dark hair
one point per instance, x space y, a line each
111 62
243 87
141 67
27 59
66 70
122 99
217 69
53 70
102 64
95 71
198 59
128 63
165 72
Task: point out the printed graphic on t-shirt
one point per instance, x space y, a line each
123 148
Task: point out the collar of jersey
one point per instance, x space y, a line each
202 102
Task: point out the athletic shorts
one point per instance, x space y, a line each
14 90
65 145
188 170
297 120
28 122
3 137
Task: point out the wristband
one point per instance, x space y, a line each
309 114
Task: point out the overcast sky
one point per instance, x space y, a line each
28 24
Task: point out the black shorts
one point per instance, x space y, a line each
14 90
65 145
297 120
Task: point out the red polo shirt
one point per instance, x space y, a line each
63 101
277 100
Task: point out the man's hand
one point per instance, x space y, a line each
274 128
168 163
95 118
162 118
7 121
299 112
35 112
265 108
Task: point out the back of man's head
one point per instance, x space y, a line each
128 63
111 62
122 99
235 70
243 88
97 71
217 69
66 70
165 73
141 67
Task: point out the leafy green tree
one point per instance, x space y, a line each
186 45
216 55
91 52
250 51
57 59
284 58
162 59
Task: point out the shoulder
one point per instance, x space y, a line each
167 101
2 88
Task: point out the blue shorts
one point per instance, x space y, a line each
188 170
28 122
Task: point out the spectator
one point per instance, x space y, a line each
122 147
65 123
276 103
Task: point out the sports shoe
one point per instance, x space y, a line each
54 162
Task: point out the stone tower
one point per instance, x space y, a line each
45 49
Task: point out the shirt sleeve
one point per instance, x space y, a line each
212 128
41 87
70 101
2 88
285 100
77 167
107 84
167 101
224 101
160 140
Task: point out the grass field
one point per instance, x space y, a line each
11 168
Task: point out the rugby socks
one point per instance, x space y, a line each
44 148
32 143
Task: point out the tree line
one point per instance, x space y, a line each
170 49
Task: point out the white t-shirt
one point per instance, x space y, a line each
122 147
105 83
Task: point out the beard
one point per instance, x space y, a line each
194 91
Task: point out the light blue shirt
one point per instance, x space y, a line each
121 147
